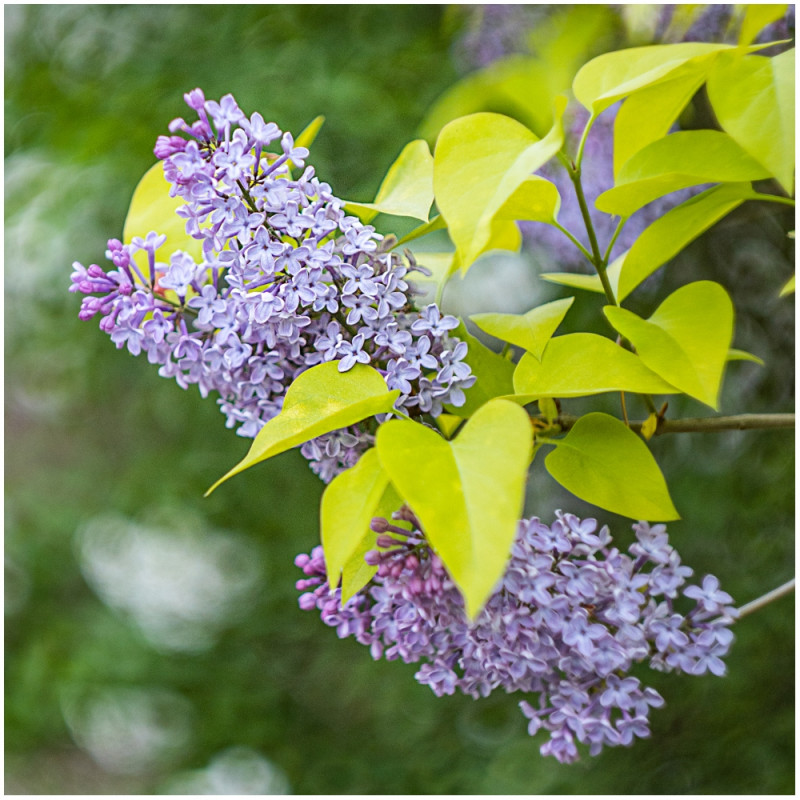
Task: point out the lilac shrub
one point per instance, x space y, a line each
570 618
286 280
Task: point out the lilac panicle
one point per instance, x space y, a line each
286 280
570 617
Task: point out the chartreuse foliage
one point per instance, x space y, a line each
580 364
753 99
686 340
468 493
612 76
663 239
407 189
531 331
321 399
603 461
466 483
648 114
349 503
682 159
480 161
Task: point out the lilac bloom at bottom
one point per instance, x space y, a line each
570 618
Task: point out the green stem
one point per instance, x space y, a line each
596 259
582 143
611 244
574 241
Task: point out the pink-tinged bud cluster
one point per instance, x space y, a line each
565 625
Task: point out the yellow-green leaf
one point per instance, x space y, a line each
686 340
603 462
743 355
579 364
669 234
320 400
152 209
356 573
530 331
575 280
753 98
612 76
788 287
479 163
756 17
407 189
648 114
348 505
682 159
307 136
468 493
535 200
437 223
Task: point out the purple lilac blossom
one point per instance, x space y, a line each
570 617
286 280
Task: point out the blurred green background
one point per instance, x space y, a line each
153 639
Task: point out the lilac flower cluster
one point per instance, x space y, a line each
286 280
569 619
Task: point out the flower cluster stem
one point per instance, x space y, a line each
766 599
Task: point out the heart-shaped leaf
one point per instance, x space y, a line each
579 364
685 158
348 505
612 76
530 331
535 200
468 493
753 99
756 17
407 189
603 462
320 400
686 340
669 234
479 162
648 114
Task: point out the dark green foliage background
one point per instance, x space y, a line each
90 430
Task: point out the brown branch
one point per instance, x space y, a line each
739 422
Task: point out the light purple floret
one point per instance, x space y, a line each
281 275
570 617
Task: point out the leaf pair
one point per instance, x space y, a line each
467 493
682 347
